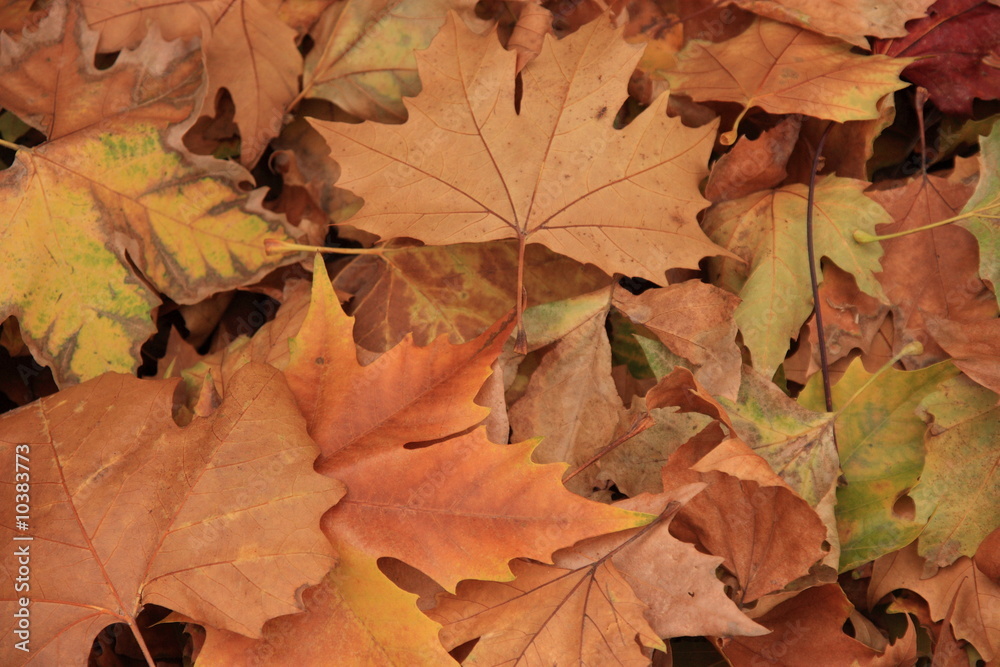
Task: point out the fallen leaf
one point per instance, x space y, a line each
767 230
795 71
355 614
880 440
109 181
213 531
571 401
984 208
811 625
754 165
959 490
975 347
953 47
851 21
459 290
929 273
694 320
515 175
463 508
960 591
423 393
364 56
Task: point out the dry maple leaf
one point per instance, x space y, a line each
423 393
469 167
109 182
792 71
218 520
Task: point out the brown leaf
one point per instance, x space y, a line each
960 590
221 516
934 272
694 320
517 175
975 346
753 165
810 625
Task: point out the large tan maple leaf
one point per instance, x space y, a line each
470 166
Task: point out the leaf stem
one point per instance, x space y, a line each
141 642
274 246
14 147
521 341
820 333
864 237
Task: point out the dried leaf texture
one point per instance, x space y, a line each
470 168
222 515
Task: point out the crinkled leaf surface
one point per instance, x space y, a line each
109 182
222 516
470 168
792 71
880 440
767 230
364 61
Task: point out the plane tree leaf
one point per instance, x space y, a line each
793 71
555 172
213 531
959 491
109 189
424 393
465 507
880 441
767 230
365 59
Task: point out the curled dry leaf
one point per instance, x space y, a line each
222 515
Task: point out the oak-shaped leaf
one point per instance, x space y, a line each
218 520
467 166
767 230
108 192
793 71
